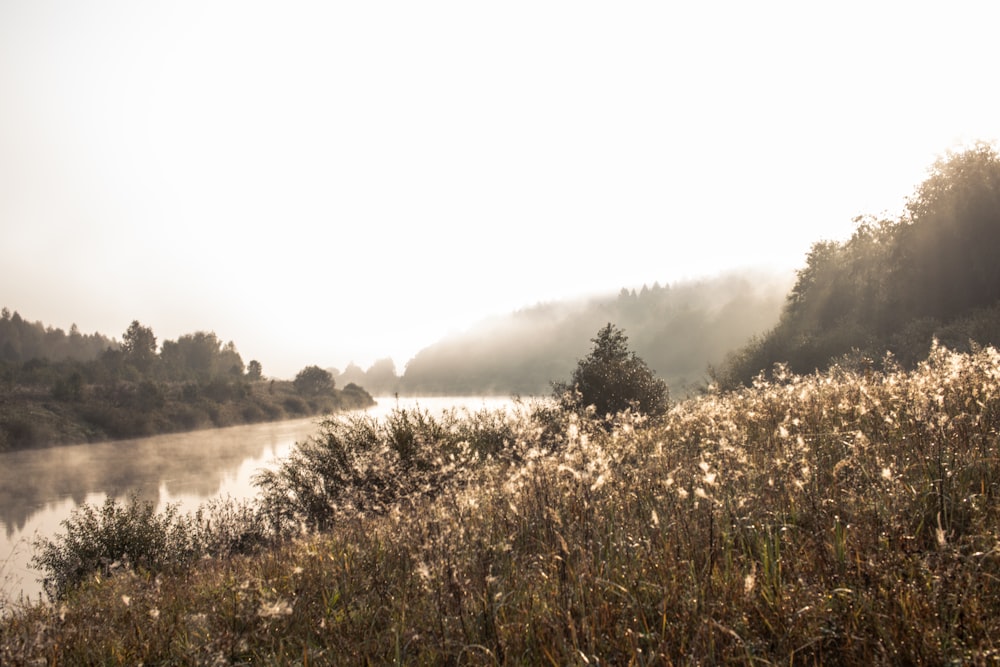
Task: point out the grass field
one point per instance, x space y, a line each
850 517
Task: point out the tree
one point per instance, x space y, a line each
201 355
313 380
612 378
949 246
381 377
139 345
254 370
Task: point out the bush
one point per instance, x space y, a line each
363 465
295 406
224 527
613 379
128 534
313 381
119 536
68 389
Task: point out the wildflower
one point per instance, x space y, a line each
655 518
126 600
887 473
154 613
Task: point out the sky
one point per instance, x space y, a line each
328 182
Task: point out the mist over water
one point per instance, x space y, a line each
40 488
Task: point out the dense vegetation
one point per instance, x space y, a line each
132 389
22 341
677 329
896 284
847 517
612 379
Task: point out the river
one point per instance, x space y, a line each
40 488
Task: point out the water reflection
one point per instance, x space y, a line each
184 464
40 488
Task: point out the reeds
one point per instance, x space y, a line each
849 517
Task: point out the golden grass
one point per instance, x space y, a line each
842 518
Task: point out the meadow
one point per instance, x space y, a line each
843 517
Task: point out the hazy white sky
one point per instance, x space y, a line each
324 182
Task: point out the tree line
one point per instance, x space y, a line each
897 283
137 388
679 329
21 340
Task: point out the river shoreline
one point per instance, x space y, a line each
32 419
40 487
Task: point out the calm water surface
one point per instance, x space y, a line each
40 488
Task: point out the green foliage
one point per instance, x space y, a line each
613 379
122 536
99 540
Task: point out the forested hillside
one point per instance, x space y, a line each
896 284
678 329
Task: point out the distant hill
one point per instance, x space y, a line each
677 329
896 284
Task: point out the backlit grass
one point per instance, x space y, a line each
843 518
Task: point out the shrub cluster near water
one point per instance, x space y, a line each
847 517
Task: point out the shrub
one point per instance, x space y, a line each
295 406
363 465
313 381
613 379
68 388
225 526
115 535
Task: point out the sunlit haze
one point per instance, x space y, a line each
327 182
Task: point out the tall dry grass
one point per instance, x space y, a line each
843 518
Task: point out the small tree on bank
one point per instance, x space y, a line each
313 381
612 378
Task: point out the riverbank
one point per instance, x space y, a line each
32 418
847 518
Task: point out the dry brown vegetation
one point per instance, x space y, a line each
849 517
